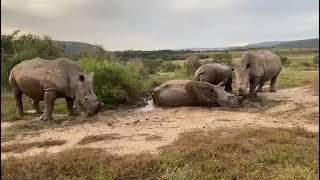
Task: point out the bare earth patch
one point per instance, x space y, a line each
140 131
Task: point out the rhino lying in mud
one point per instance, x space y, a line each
255 68
48 80
177 93
214 74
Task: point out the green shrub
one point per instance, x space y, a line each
225 58
316 59
169 66
192 65
284 61
152 66
115 83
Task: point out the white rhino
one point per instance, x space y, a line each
255 68
214 74
175 93
48 80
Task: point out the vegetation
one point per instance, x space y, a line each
115 82
168 66
192 65
21 147
245 154
27 46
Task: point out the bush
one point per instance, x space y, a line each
224 58
316 59
192 65
115 83
138 66
169 66
284 61
152 66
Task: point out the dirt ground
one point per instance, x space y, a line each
145 130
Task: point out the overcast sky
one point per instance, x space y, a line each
163 24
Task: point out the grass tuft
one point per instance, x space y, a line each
21 147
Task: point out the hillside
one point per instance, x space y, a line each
265 44
73 48
307 43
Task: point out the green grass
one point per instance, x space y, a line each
291 78
8 107
21 147
243 154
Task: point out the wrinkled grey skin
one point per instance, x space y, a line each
177 93
48 80
215 74
255 68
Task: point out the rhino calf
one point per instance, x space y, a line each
48 80
177 93
255 68
214 74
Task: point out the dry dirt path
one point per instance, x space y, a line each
146 130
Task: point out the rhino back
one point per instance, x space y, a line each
172 94
213 73
270 62
37 75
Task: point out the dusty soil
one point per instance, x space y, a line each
147 129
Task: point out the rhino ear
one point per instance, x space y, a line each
223 83
91 76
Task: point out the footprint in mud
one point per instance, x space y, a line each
153 138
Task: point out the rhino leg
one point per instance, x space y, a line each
36 106
49 98
18 97
272 82
72 110
253 84
261 84
228 86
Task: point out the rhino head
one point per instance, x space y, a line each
85 95
224 98
248 68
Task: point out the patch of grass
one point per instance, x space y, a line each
21 147
100 137
290 78
30 127
241 154
8 107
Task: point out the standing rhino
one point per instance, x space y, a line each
47 80
215 74
177 93
255 68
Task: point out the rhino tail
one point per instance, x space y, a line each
155 95
12 81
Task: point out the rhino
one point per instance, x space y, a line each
214 74
48 80
255 68
175 93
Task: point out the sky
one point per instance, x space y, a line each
163 24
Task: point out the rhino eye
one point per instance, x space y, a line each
86 99
248 65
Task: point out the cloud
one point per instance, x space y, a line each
163 24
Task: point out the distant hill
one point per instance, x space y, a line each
307 43
73 48
265 44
